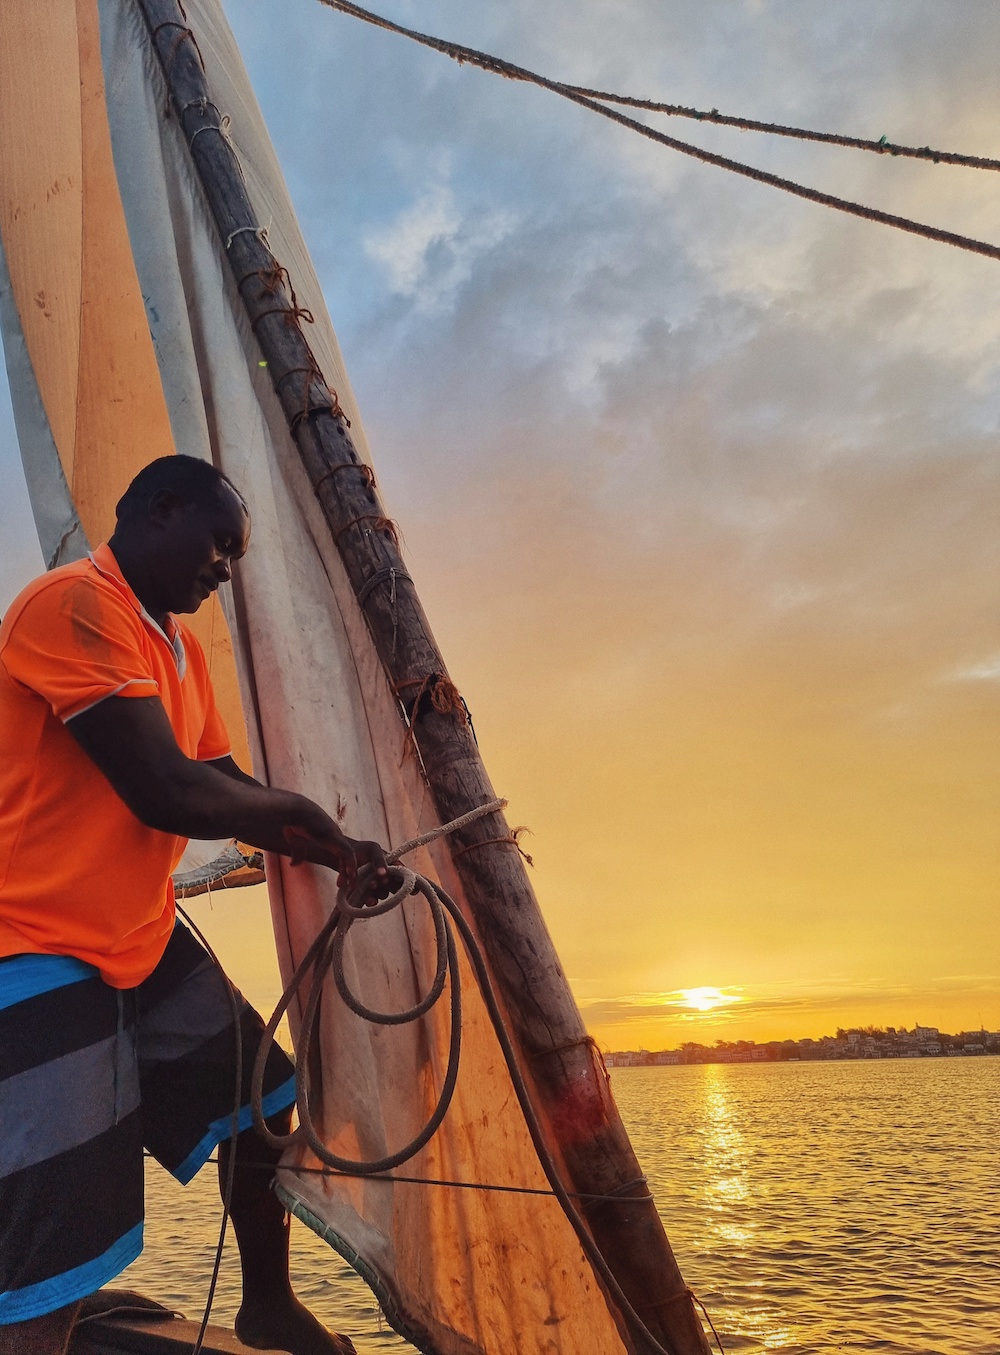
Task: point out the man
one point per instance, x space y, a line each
115 1029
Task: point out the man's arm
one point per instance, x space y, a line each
364 851
131 741
229 767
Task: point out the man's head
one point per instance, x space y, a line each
181 524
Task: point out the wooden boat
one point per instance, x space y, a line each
120 1322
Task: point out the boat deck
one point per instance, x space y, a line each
134 1326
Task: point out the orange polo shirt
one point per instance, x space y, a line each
79 874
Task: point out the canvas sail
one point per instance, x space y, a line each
125 339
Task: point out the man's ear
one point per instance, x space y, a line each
163 506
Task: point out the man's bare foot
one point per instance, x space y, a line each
289 1325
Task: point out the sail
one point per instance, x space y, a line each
125 339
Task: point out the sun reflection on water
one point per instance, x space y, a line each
728 1156
794 1196
732 1196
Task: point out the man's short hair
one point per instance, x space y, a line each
189 477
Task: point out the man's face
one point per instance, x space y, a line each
197 547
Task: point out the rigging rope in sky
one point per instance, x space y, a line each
881 147
511 72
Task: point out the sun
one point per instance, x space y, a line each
705 999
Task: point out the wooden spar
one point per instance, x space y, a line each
566 1071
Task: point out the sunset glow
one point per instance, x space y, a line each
706 999
698 486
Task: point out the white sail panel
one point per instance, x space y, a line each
60 532
462 1271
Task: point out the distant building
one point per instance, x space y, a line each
921 1042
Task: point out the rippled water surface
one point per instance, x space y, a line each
812 1206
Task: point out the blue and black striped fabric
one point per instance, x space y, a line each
89 1075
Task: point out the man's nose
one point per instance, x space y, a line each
223 569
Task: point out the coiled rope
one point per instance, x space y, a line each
590 99
326 955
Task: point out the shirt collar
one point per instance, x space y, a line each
103 560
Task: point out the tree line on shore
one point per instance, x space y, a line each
855 1042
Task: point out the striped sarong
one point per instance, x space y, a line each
89 1076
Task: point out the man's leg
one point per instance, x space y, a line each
270 1317
46 1335
187 1053
71 1150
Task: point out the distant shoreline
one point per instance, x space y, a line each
923 1042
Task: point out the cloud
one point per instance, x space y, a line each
988 670
683 1003
790 1003
429 250
649 1008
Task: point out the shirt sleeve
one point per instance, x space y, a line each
214 740
75 644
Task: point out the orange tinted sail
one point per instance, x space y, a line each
74 283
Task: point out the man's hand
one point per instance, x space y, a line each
330 847
371 854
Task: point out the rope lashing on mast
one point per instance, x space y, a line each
513 837
380 523
441 692
326 955
506 69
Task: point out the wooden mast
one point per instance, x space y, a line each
563 1066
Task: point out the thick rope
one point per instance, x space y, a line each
881 147
509 71
326 953
455 826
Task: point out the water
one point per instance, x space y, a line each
830 1206
835 1207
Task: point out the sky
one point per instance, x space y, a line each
698 482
